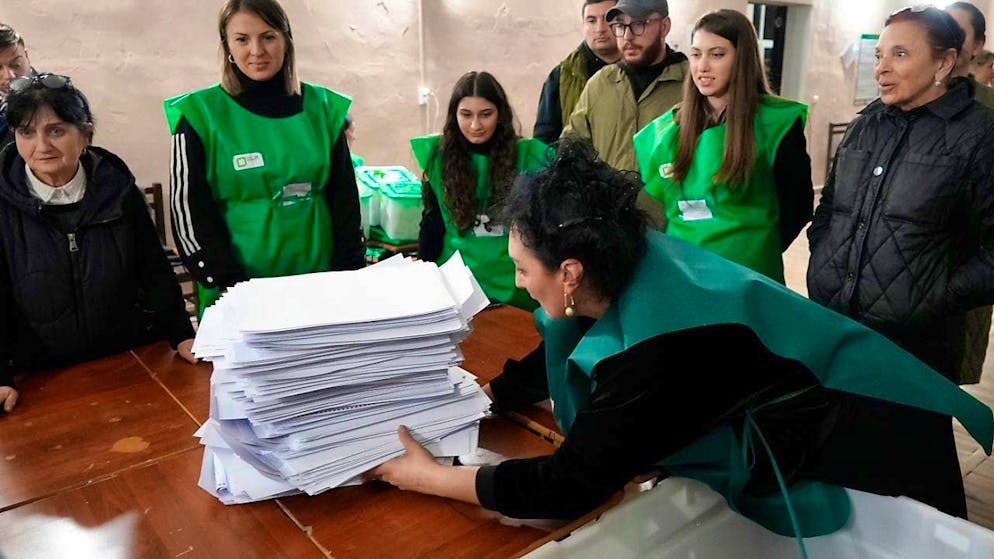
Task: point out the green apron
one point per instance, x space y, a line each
268 186
486 256
678 286
739 222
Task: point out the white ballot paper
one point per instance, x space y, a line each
314 373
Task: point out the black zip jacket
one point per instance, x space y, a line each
81 282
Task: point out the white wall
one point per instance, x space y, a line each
128 55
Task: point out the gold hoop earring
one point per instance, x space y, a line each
569 304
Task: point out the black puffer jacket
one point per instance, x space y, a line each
69 296
903 239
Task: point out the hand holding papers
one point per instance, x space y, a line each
313 374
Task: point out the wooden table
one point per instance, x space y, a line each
502 333
99 460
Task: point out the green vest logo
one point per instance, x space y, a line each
247 161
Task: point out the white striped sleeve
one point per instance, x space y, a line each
179 196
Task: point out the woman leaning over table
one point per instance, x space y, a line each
82 271
468 170
262 179
730 163
660 355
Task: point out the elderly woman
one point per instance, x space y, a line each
82 272
903 239
263 182
661 355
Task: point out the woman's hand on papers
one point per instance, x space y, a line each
185 350
8 398
418 471
411 471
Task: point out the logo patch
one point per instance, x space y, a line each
666 170
247 161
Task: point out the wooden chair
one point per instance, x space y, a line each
153 197
834 129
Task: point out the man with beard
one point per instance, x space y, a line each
566 81
622 98
14 64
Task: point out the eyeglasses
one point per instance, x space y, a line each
636 27
50 81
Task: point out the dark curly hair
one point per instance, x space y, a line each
458 174
579 207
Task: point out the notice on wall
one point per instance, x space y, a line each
866 84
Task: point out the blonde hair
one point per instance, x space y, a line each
274 16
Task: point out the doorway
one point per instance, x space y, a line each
770 22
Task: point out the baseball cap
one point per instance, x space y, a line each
638 9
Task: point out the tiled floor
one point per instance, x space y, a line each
977 467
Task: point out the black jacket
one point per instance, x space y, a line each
903 239
549 117
85 283
663 393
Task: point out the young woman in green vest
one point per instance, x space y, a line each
659 355
468 170
262 182
730 163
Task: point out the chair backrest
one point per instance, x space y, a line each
153 196
834 129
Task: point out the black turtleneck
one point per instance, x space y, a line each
642 77
215 264
268 98
486 148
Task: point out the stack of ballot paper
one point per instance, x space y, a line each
314 373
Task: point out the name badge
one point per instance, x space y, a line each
694 210
486 228
247 161
295 193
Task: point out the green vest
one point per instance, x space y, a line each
738 222
678 286
486 256
572 79
268 176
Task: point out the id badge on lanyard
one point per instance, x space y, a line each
293 194
486 228
694 210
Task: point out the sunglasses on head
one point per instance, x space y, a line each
913 9
49 81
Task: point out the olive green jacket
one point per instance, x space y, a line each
608 115
977 329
